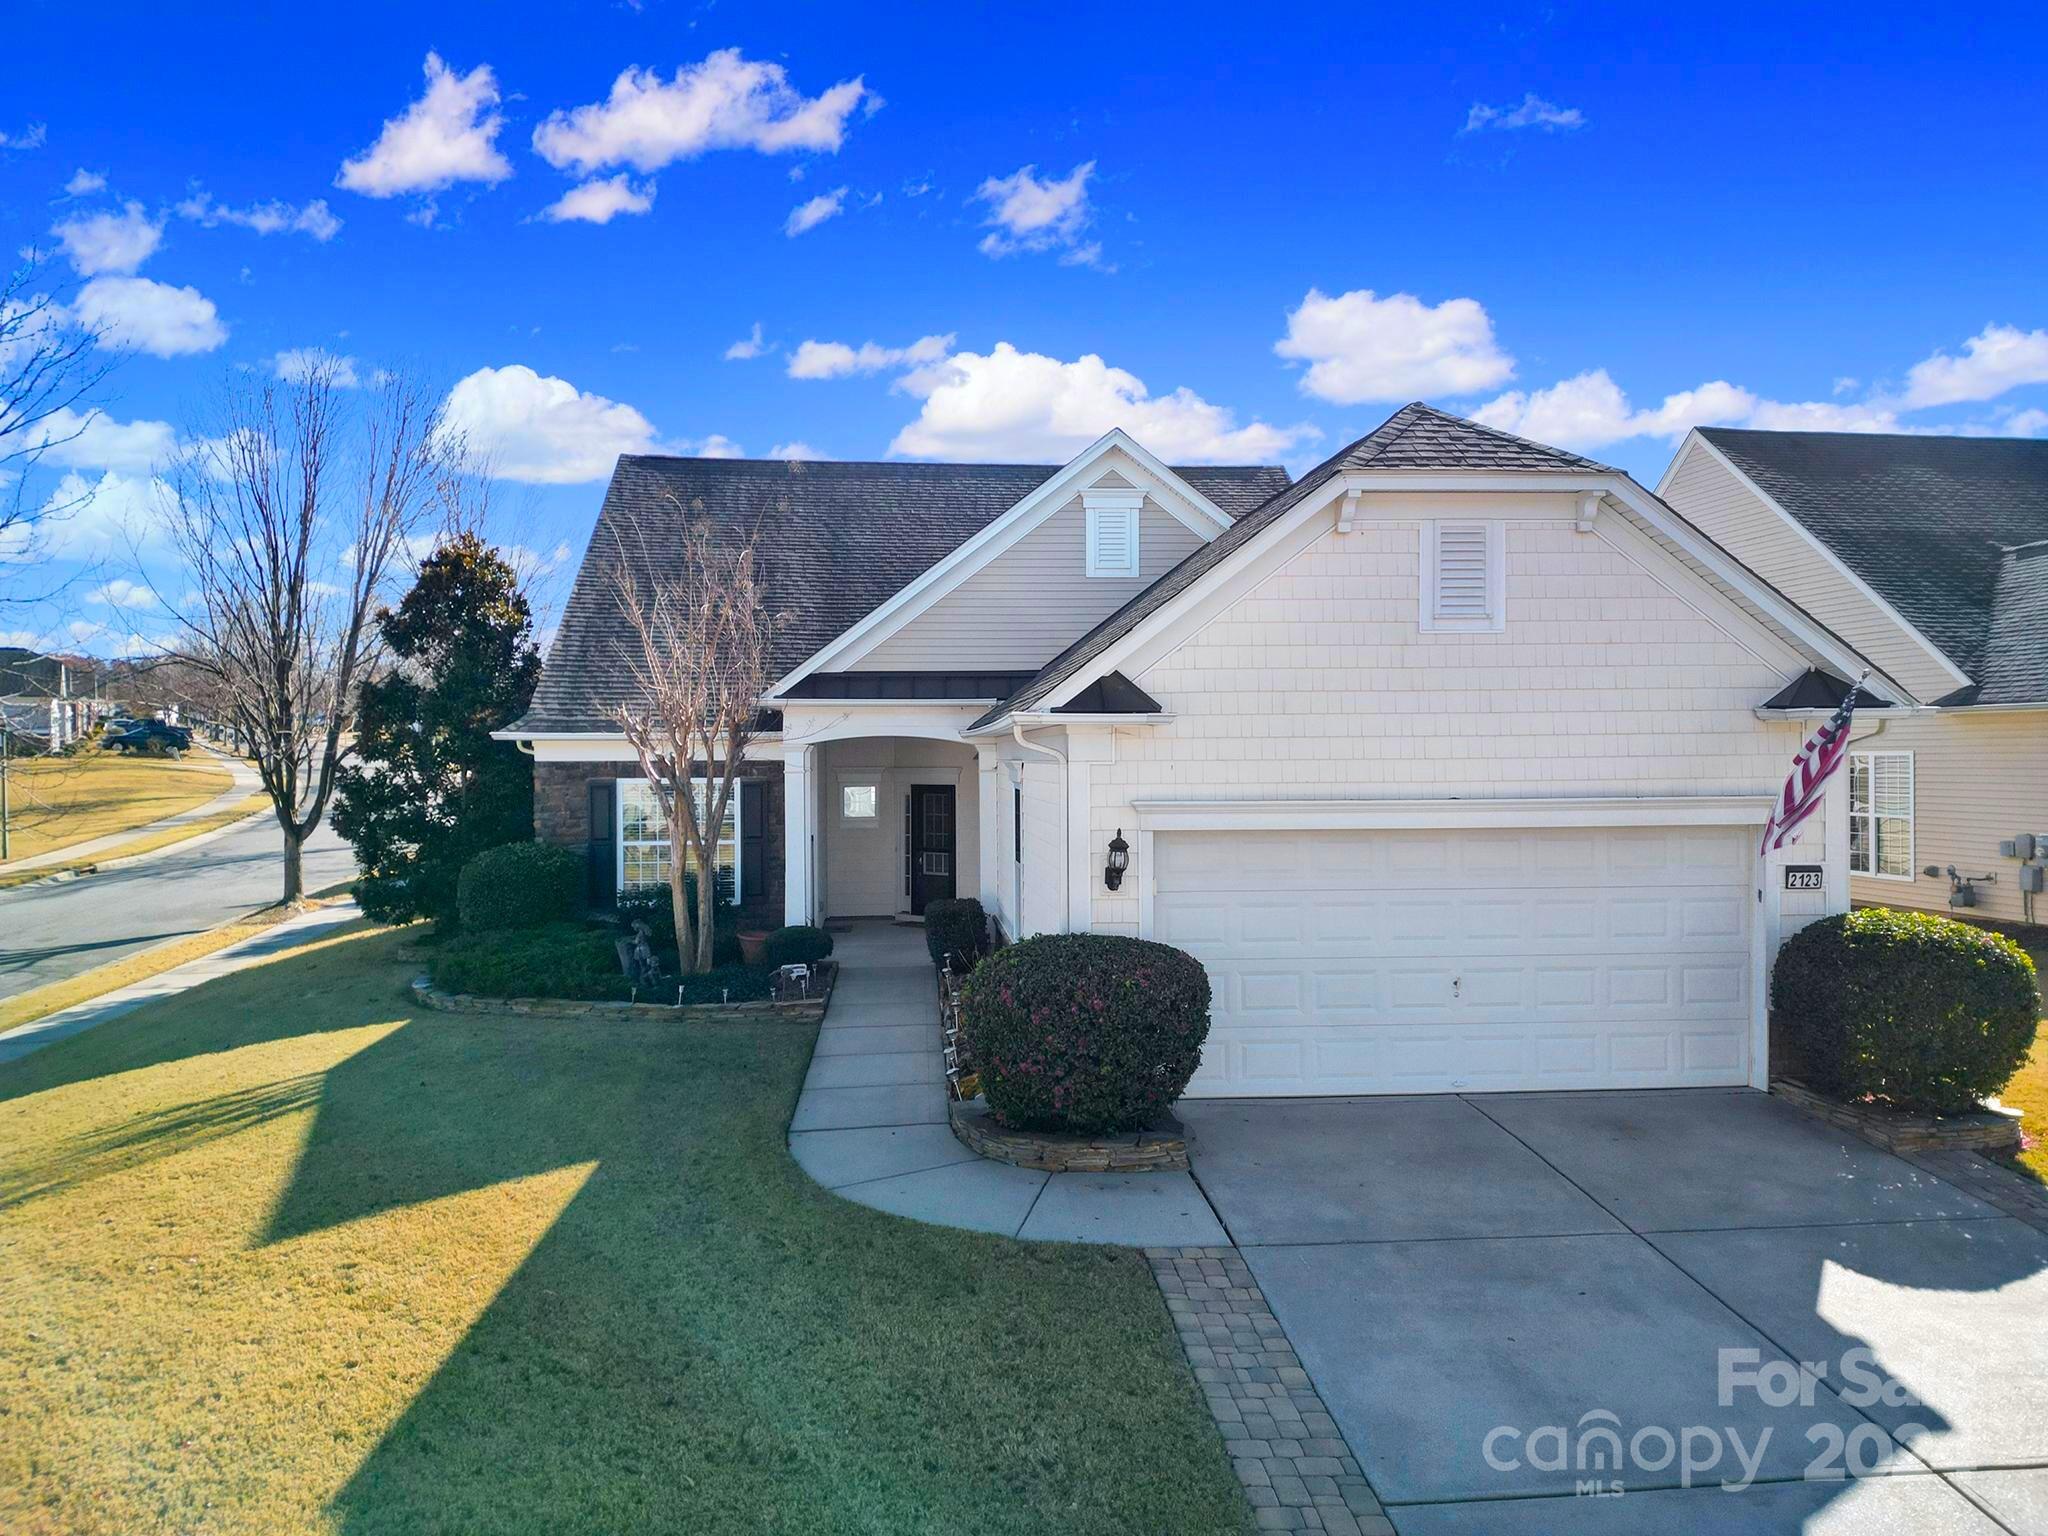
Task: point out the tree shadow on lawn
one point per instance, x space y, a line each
703 1340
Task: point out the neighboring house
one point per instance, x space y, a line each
1449 760
1929 555
49 699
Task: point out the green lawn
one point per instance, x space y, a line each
283 1255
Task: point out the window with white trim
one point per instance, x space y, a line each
1112 531
1464 576
1881 814
644 840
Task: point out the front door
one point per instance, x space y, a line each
930 840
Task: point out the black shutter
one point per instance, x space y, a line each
753 795
602 848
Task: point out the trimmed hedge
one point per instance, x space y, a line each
956 928
1924 1012
519 885
654 905
796 945
1085 1032
554 960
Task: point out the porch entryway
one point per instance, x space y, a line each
895 824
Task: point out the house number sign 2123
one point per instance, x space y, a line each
1803 877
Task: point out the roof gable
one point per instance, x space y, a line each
1923 521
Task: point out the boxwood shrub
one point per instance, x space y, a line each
956 928
553 960
1924 1012
1085 1032
796 945
518 885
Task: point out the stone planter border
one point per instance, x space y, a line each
1994 1132
1163 1148
809 1010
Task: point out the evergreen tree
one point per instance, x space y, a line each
427 789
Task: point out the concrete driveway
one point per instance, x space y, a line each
1491 1292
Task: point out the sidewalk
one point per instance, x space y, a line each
245 783
303 929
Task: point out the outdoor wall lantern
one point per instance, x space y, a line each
1119 861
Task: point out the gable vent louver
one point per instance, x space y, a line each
1461 571
1112 533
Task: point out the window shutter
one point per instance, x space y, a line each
1463 580
601 849
753 809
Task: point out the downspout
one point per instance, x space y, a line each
1066 852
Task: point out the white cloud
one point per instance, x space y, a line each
149 316
84 182
34 136
1030 214
94 440
600 200
1360 347
115 515
1590 410
796 450
2028 423
725 102
299 364
543 430
447 136
836 360
1024 405
122 593
1533 112
809 215
110 242
716 446
1996 359
271 218
748 347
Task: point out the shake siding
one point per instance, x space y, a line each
1711 496
1978 779
1319 684
1031 602
1044 895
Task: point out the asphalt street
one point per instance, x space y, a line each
57 928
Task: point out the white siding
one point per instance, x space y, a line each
1318 683
1043 866
1712 497
1033 600
1978 779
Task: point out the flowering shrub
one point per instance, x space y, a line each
1922 1011
1085 1032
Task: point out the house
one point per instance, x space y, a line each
1929 555
51 700
1450 759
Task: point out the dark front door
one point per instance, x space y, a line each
933 839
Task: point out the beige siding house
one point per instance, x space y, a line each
1450 760
1930 556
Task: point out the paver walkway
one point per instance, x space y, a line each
871 1123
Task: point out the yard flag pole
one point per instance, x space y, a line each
1811 769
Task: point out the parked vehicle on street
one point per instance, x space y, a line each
146 736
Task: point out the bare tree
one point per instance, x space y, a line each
290 519
696 662
47 369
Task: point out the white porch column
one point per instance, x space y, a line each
799 835
1085 748
992 800
1835 810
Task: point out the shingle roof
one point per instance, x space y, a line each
2015 665
1924 521
1815 689
834 542
1416 437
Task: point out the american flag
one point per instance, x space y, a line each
1811 769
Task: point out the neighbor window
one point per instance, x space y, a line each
859 802
1113 532
1881 814
1464 579
644 841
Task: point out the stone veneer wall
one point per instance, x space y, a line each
561 815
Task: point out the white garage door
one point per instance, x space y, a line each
1446 961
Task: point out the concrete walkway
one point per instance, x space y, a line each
871 1123
243 783
303 929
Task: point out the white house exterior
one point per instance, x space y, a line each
1449 760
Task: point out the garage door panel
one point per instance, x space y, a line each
1600 958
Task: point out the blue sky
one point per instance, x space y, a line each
1238 235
